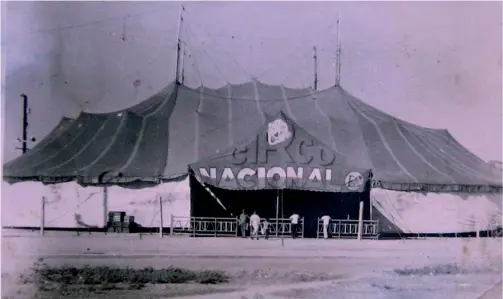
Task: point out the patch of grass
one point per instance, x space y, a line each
447 269
68 279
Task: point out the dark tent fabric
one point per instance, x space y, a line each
282 155
157 139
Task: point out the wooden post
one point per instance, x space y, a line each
360 221
105 207
160 209
215 227
171 224
42 217
318 228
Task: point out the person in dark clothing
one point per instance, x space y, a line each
243 223
265 228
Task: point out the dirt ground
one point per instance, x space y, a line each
266 269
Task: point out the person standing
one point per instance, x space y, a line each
255 225
242 223
294 222
265 228
326 222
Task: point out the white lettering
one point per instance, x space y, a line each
227 175
276 176
290 172
315 175
242 174
261 177
212 174
328 175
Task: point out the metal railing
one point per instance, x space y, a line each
283 228
348 229
228 227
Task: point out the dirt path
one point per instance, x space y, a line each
494 292
258 267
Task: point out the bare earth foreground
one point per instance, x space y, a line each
459 268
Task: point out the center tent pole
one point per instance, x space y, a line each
282 216
277 212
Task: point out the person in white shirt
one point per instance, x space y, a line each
255 224
326 221
294 222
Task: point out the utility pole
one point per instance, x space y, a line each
179 46
338 54
315 56
25 123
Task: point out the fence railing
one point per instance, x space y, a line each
348 229
229 227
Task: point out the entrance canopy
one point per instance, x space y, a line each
282 155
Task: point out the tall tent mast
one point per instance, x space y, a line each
179 46
24 141
183 64
338 54
315 56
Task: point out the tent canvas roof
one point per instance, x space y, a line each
178 126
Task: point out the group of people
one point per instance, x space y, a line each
263 227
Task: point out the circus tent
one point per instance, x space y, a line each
155 141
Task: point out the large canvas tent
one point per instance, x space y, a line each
156 140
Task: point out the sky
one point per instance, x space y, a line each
435 64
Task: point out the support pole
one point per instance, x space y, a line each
360 221
315 56
179 46
105 206
25 124
42 217
282 216
338 54
182 64
171 224
371 207
160 212
277 213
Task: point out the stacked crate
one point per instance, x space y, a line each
116 221
127 224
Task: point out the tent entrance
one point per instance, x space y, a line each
308 204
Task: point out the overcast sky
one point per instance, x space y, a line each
431 63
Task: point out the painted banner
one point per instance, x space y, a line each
282 156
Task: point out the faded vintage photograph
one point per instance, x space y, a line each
251 150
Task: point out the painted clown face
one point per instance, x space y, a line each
278 132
